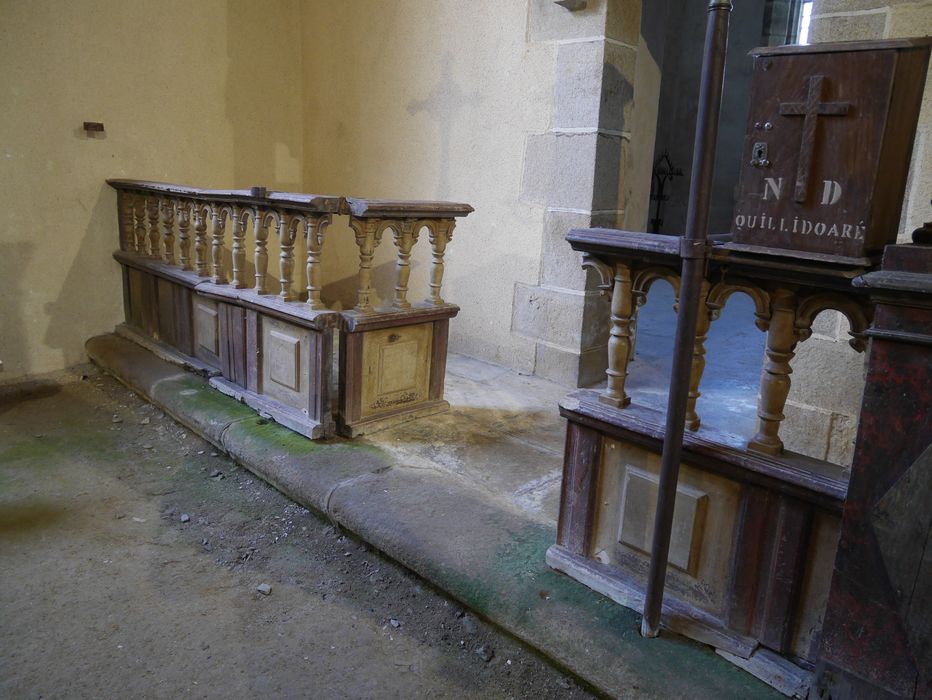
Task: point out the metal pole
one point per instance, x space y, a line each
693 251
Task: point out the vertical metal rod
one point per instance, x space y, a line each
694 258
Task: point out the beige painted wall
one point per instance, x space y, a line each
433 100
206 93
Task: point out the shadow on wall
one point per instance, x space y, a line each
92 282
14 257
264 87
443 104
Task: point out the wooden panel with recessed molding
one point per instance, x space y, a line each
396 368
206 330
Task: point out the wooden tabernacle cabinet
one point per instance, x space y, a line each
830 126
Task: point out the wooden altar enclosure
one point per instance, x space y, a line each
755 565
198 293
753 528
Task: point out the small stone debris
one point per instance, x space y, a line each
214 454
147 446
200 452
394 623
139 520
264 588
565 683
116 419
185 518
144 421
216 474
485 653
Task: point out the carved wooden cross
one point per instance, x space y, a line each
810 110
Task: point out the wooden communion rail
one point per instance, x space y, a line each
191 296
754 524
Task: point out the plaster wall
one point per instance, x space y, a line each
205 93
418 100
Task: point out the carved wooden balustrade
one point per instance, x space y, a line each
787 298
753 523
199 289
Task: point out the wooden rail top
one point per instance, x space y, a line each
329 204
394 208
255 195
612 244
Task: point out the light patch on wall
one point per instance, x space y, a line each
287 167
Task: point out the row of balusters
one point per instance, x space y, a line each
149 223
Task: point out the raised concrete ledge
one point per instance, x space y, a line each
474 548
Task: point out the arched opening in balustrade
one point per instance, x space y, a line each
824 403
734 353
649 372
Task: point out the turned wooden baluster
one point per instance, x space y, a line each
619 341
405 236
368 235
218 227
127 228
238 252
139 217
201 214
184 241
168 230
775 377
315 241
153 206
260 228
439 235
703 322
287 235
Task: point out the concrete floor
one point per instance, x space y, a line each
466 499
106 592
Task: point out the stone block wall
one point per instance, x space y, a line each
822 410
580 171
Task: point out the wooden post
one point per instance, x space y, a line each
619 342
314 235
368 236
287 235
139 216
260 228
168 230
152 205
125 203
775 377
218 223
439 235
184 241
238 252
201 212
405 237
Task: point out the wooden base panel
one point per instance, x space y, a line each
290 418
677 616
774 670
381 422
166 352
392 369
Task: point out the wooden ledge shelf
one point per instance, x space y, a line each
814 481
